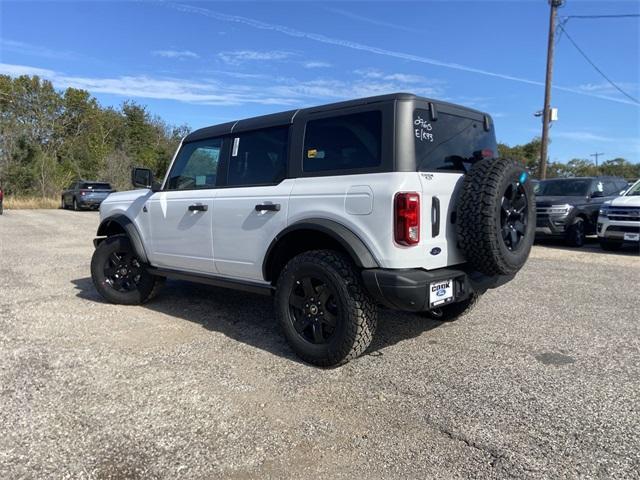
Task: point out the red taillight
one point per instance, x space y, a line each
407 218
83 192
487 153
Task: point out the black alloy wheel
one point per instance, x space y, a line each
122 271
513 215
313 309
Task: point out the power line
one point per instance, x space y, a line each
561 27
620 15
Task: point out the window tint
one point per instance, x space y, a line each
96 186
568 188
343 143
196 166
450 141
611 188
258 157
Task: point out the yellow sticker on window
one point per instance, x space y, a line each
312 152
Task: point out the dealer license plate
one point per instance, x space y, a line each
632 237
440 293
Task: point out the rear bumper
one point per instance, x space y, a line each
89 202
408 289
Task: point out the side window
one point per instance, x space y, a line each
196 166
258 157
343 143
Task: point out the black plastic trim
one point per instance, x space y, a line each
232 283
130 230
356 248
407 289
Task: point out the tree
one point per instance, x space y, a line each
528 154
48 138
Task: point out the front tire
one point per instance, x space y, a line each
575 233
325 312
75 204
118 274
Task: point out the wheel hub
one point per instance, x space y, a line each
313 310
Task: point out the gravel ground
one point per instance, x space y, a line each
542 380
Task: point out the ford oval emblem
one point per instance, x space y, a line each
441 292
435 250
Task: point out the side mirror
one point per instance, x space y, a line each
142 178
597 194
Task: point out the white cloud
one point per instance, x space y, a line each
299 34
175 54
241 56
316 64
398 77
583 136
249 89
36 50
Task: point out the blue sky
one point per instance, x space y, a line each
202 63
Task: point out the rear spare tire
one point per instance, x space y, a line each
496 216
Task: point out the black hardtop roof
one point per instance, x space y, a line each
286 118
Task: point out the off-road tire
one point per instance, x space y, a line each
454 311
478 223
147 287
610 245
357 313
575 233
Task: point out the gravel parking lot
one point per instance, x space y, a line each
542 380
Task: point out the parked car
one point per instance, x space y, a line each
84 194
567 208
394 200
619 220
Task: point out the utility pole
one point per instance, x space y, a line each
597 154
546 112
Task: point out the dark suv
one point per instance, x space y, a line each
568 207
83 194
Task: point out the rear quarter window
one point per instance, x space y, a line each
345 142
450 141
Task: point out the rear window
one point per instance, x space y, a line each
450 141
96 186
346 142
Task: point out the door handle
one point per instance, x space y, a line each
271 207
198 208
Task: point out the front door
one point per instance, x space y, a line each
252 208
181 215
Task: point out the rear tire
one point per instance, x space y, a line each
610 245
325 312
118 274
75 204
575 233
453 312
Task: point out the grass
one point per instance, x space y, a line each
30 203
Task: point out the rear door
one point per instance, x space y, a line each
447 141
180 216
251 208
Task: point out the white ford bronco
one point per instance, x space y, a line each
394 200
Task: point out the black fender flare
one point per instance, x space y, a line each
130 230
354 246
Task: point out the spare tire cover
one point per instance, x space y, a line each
496 216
